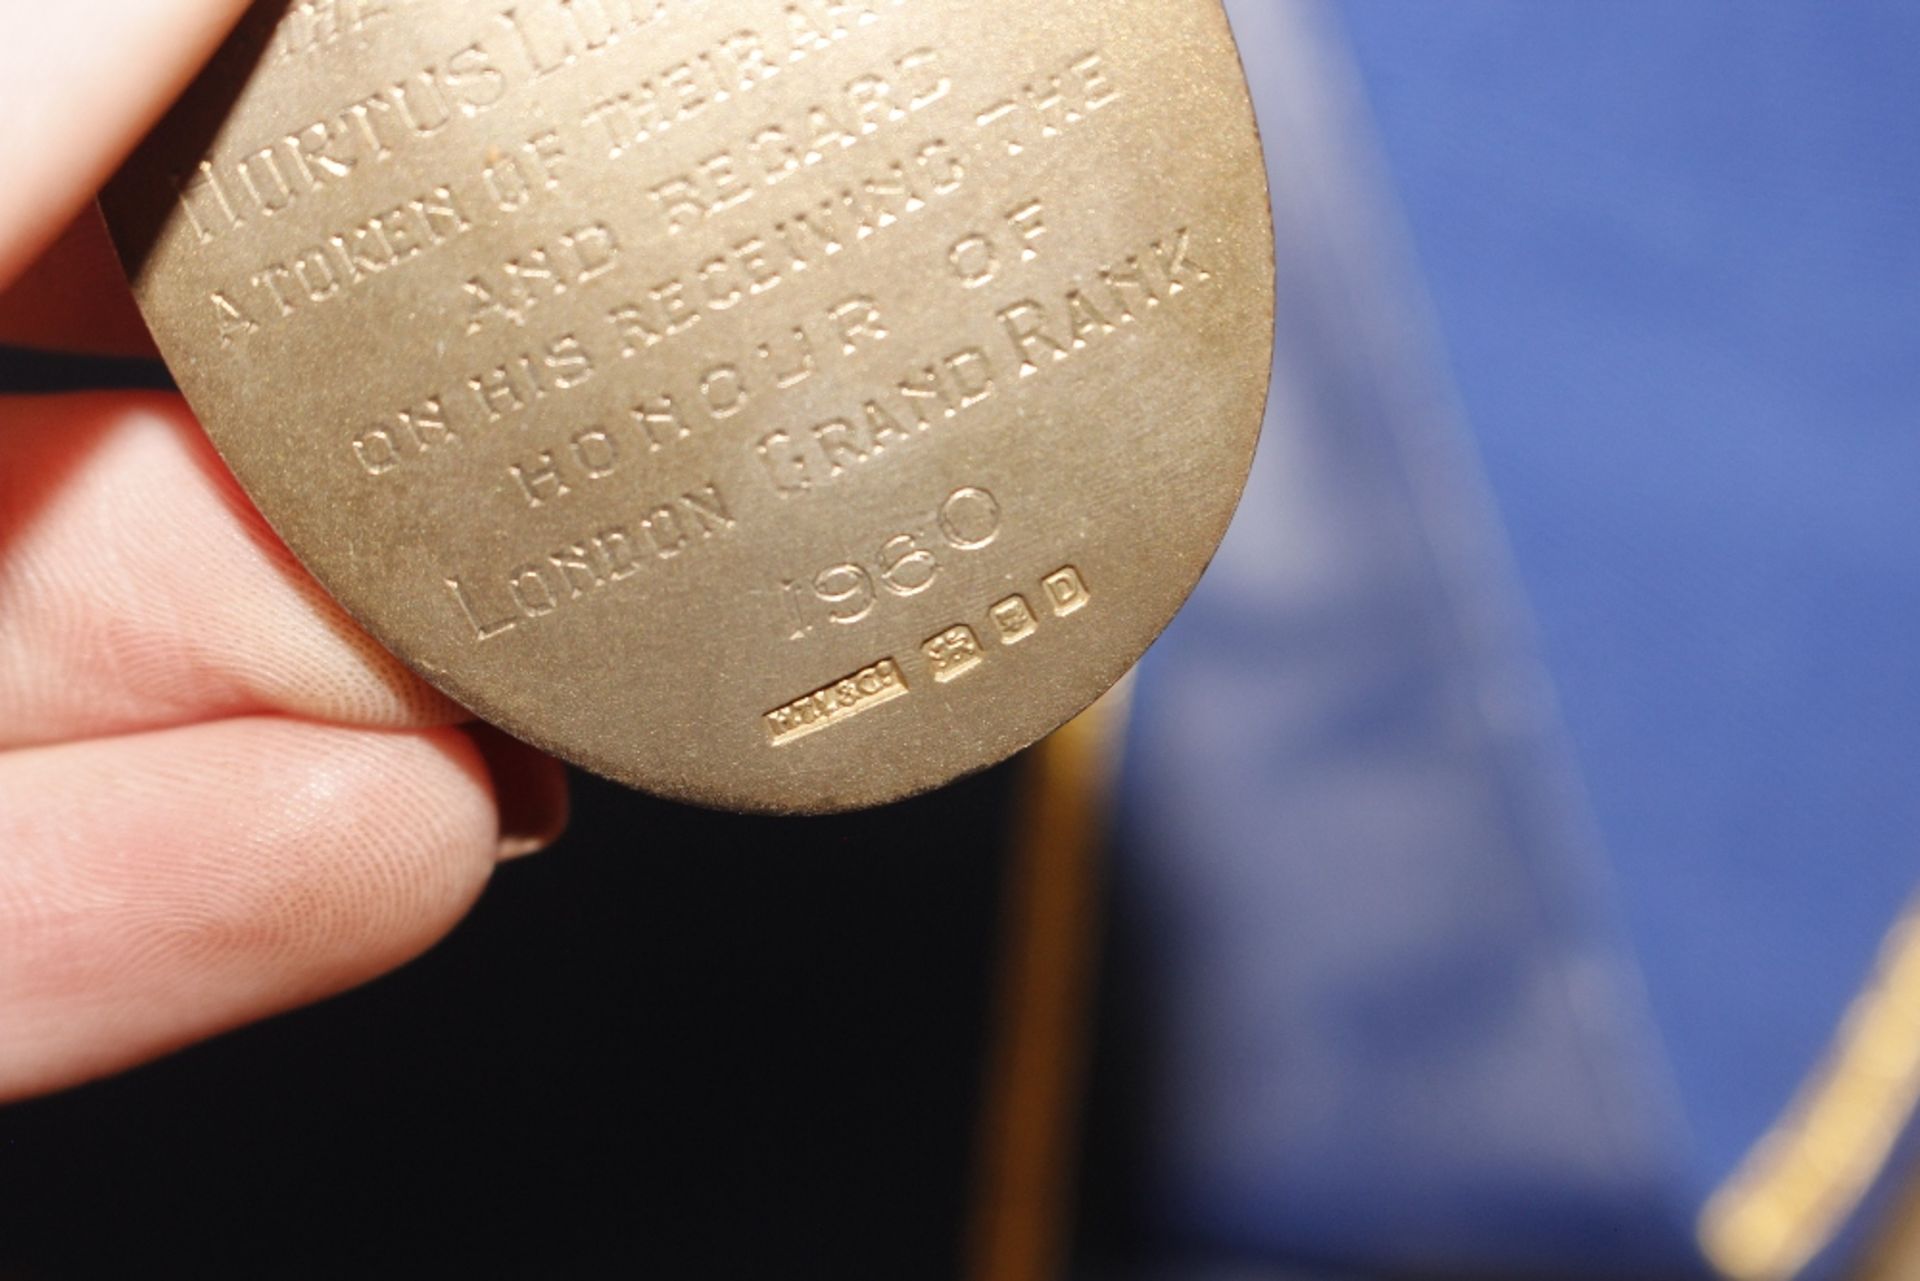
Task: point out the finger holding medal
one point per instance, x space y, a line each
218 798
785 408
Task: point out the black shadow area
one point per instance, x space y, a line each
681 1044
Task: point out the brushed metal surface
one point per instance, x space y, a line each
779 405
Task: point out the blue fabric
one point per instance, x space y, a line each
1393 1023
1425 990
1675 253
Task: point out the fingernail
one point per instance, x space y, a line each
530 788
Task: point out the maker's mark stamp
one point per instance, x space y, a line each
846 698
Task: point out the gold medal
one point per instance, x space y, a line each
779 405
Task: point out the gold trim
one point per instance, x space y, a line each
1030 1123
1805 1177
1895 1255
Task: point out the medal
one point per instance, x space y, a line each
777 405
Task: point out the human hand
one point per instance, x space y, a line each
218 798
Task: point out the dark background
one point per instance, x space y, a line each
677 1044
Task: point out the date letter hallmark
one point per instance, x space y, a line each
828 706
1066 591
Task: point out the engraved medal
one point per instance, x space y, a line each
778 405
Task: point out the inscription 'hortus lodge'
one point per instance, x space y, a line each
508 48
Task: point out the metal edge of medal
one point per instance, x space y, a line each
1210 12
